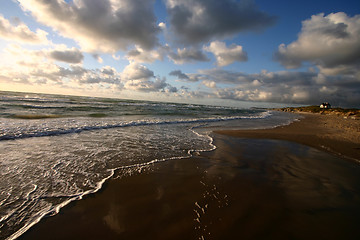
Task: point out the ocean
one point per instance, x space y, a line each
56 149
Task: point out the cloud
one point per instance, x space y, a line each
107 70
185 77
223 76
171 89
283 87
72 55
146 85
226 55
30 57
98 58
107 75
162 25
264 78
47 73
19 56
209 84
139 78
199 21
21 33
187 55
330 42
135 71
147 56
37 67
292 94
179 74
99 26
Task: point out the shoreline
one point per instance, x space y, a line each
286 190
329 133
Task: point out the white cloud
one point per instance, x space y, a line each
226 55
15 54
198 21
40 68
135 71
139 78
21 33
209 84
162 25
147 56
256 83
331 42
99 26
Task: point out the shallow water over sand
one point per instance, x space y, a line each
245 189
57 149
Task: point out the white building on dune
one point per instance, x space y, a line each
325 105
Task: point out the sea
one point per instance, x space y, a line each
55 149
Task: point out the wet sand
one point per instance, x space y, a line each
331 133
245 189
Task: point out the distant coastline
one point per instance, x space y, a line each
333 130
351 113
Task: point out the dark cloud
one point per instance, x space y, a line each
179 74
284 87
99 26
294 94
108 71
97 57
185 77
172 89
198 21
147 56
74 71
186 55
69 56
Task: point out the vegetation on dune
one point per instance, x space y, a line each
346 112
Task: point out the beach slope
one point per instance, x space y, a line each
330 133
245 189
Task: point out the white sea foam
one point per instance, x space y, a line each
69 126
51 162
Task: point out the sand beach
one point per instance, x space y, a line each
179 119
299 181
332 133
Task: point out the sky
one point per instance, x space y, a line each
227 52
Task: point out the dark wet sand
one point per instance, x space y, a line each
245 189
325 132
